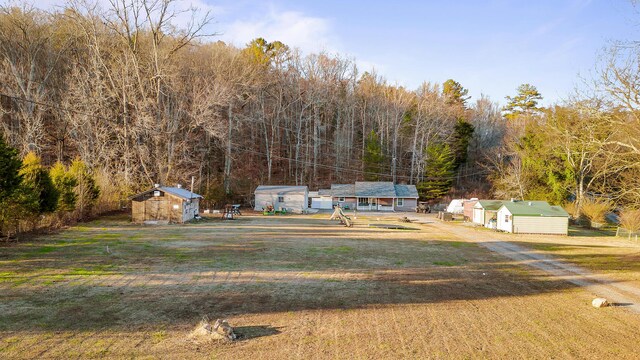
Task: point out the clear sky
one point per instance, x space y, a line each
490 46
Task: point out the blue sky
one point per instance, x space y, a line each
490 46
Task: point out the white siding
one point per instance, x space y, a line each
478 215
541 225
504 223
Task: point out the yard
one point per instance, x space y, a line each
294 287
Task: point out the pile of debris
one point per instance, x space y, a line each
220 330
339 214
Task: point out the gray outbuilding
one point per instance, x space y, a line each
291 198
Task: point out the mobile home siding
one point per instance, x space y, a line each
293 202
409 205
540 225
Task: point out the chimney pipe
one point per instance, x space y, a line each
156 185
179 186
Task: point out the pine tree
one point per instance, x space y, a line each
462 134
526 102
86 190
10 180
455 93
439 172
39 194
372 157
10 165
65 183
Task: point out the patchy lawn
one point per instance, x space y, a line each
295 287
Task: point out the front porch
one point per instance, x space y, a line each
375 204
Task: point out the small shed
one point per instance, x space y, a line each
485 210
165 204
292 198
318 201
532 217
468 208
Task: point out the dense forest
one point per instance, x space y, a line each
99 103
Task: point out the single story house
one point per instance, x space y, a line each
485 210
165 204
373 196
532 217
292 198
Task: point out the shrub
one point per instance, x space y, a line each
630 220
596 210
572 209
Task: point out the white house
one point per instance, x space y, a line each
485 210
291 198
532 217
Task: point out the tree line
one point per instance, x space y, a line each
140 101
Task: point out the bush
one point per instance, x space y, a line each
630 220
596 210
572 209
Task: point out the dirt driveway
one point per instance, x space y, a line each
601 285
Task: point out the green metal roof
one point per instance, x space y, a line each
491 204
534 208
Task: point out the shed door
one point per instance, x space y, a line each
477 216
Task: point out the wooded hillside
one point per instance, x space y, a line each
140 101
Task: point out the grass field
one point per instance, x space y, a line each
294 287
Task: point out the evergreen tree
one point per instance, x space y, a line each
462 134
10 165
86 190
65 183
39 194
526 102
372 157
10 180
455 93
439 172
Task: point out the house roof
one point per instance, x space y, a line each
281 189
534 208
384 189
176 191
406 191
380 189
490 204
339 190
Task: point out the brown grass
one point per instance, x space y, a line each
294 287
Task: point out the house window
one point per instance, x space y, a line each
506 217
156 193
280 198
363 201
341 199
400 202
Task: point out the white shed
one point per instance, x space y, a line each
485 210
532 217
319 201
292 198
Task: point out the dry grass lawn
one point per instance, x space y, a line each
294 287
